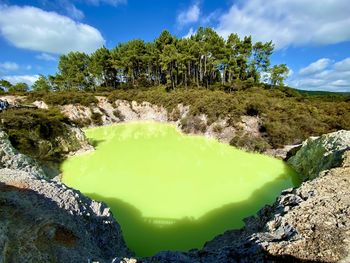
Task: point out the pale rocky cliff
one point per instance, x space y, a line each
125 111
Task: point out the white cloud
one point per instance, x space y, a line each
210 18
189 16
190 33
289 22
35 29
29 79
315 67
343 65
324 74
71 10
46 57
8 66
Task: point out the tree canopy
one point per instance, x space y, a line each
202 60
18 87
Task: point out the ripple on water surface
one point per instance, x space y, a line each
170 191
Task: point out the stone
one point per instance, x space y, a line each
40 104
320 153
42 221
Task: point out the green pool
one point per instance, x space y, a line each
171 191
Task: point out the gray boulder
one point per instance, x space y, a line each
45 221
320 153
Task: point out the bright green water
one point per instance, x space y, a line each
170 191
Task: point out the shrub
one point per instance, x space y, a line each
287 115
119 115
96 118
82 122
34 132
63 98
217 128
254 144
175 114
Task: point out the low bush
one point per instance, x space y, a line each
34 131
254 144
118 115
81 123
63 98
217 128
287 116
96 118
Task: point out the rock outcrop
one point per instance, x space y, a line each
45 221
145 111
125 111
72 141
10 158
320 153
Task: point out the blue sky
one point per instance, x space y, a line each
311 37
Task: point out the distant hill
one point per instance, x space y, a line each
321 93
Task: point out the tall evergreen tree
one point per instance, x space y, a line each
202 60
42 84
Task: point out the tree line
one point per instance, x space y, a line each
202 60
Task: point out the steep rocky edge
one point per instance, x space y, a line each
248 128
73 140
12 159
45 221
125 111
307 224
246 133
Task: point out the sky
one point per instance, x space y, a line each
311 37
